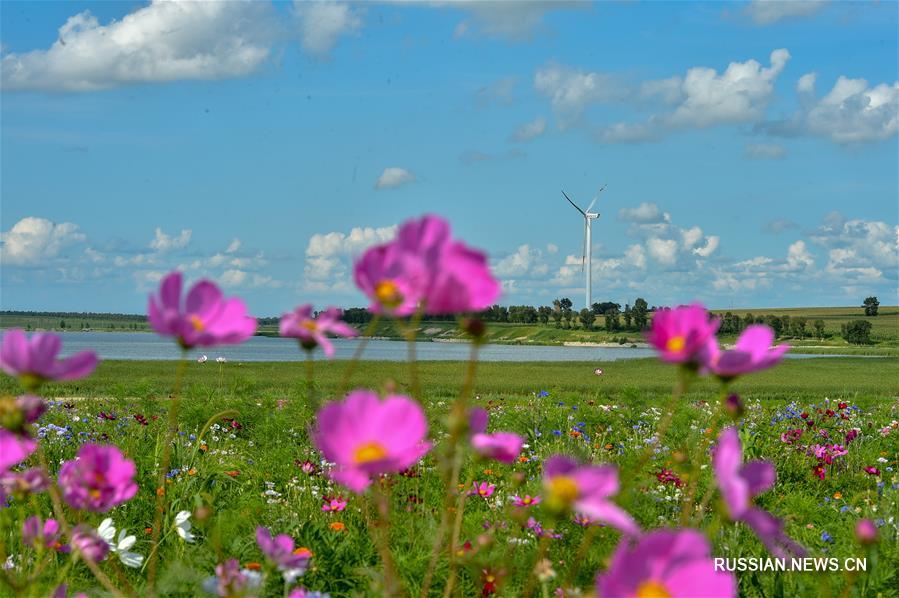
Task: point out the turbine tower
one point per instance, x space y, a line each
589 217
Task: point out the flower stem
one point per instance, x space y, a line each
381 533
163 469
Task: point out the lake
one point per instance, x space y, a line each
142 345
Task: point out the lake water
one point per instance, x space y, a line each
142 345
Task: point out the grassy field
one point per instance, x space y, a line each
242 475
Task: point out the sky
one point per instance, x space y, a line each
749 149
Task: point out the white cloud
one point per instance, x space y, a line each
645 213
766 12
855 112
501 91
691 236
163 242
233 246
570 90
516 264
33 241
663 251
636 256
711 244
233 278
329 255
322 22
552 248
393 177
806 83
529 130
165 41
799 257
859 243
504 18
764 151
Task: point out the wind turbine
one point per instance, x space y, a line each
589 217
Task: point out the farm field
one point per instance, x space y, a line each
256 465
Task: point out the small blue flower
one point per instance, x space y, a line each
825 537
557 432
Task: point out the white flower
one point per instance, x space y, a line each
183 525
202 359
220 360
122 545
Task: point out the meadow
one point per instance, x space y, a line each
255 465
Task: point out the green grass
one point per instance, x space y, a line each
618 411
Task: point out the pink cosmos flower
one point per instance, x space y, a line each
366 436
88 542
313 332
872 470
36 532
525 501
482 489
14 449
98 480
739 483
502 446
231 580
680 334
30 481
334 505
34 361
425 266
865 531
17 413
673 563
751 353
586 489
280 551
203 319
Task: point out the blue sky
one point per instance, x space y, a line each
749 148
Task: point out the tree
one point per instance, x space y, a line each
565 303
641 309
587 317
798 326
871 304
819 328
612 322
857 332
62 324
544 313
628 316
774 322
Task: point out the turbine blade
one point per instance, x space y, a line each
574 204
592 203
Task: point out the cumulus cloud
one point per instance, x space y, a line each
853 111
645 213
233 246
32 241
663 251
764 151
766 12
510 20
525 261
329 256
858 244
571 90
394 177
711 244
322 23
529 130
163 242
165 41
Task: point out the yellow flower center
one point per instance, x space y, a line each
388 294
197 323
309 325
563 491
368 452
652 589
676 344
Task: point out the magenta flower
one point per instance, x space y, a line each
865 531
502 446
334 505
98 480
34 361
739 483
365 436
88 542
36 532
681 334
204 319
482 489
17 413
525 501
30 481
230 580
872 470
673 563
425 267
585 489
280 551
313 332
14 449
751 353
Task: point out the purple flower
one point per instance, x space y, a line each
739 483
98 480
36 532
231 580
34 361
680 334
502 446
30 481
88 543
673 563
17 413
865 532
204 319
14 449
585 489
751 353
280 551
366 436
313 332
